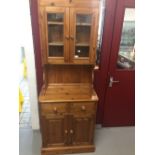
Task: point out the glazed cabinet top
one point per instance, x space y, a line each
68 31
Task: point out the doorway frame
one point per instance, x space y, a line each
31 69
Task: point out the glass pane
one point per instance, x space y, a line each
55 51
82 34
55 17
83 30
126 55
83 19
82 51
55 34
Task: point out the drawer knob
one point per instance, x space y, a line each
83 108
52 4
55 109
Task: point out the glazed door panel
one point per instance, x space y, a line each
57 34
83 35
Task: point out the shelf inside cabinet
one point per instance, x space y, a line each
83 24
55 23
82 44
56 44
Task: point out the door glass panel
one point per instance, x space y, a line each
83 19
55 17
55 51
126 55
55 23
83 30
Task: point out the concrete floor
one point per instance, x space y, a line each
108 141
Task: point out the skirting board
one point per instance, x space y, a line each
67 150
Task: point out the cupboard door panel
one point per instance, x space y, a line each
83 34
53 131
57 32
83 130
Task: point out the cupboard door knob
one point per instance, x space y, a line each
71 131
67 37
72 37
83 108
52 4
66 131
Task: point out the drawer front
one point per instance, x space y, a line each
53 2
85 3
83 108
53 108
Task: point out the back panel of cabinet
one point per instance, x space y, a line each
68 74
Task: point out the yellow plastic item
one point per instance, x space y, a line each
24 68
21 100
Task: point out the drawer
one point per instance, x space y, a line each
83 108
53 2
85 3
53 108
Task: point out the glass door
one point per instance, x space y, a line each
82 26
57 34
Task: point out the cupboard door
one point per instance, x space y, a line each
57 34
83 130
83 34
54 131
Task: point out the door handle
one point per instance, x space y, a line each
111 81
52 4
